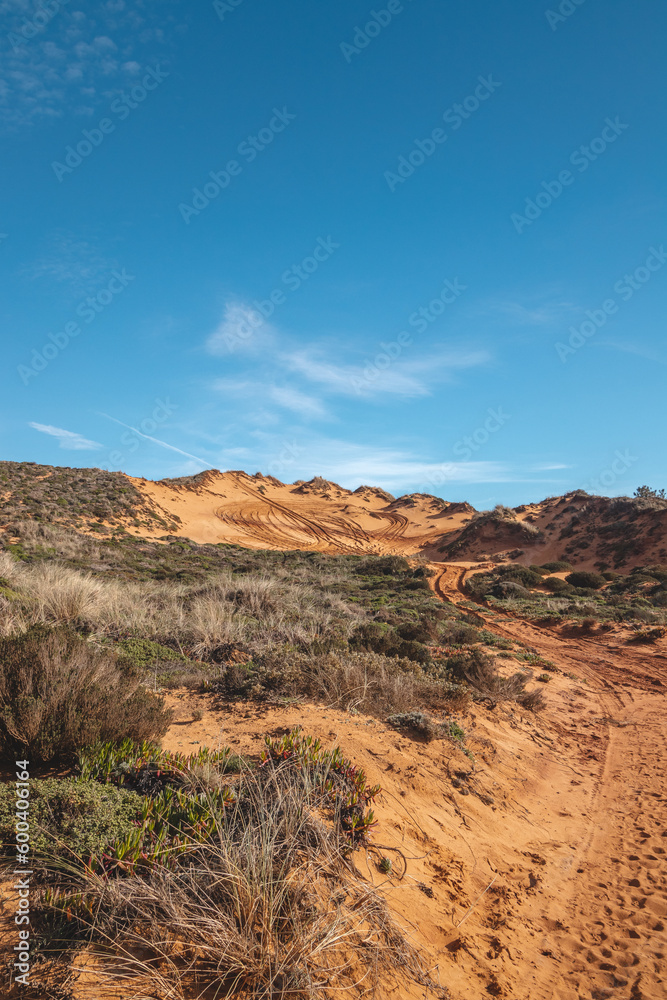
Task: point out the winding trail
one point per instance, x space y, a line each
597 918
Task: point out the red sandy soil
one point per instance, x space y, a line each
538 871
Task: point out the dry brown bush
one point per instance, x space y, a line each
59 693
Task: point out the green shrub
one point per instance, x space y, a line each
587 581
144 653
59 693
458 634
559 566
541 570
70 817
510 589
557 586
415 632
383 639
384 566
520 574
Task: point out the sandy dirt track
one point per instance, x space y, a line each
601 913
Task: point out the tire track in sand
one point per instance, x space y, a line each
613 884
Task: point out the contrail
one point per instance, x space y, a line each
163 444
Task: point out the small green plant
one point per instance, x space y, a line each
543 678
148 769
71 819
426 726
143 653
649 635
340 785
385 865
455 731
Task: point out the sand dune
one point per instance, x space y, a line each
261 512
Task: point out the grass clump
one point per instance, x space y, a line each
59 693
264 901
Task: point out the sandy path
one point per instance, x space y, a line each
599 918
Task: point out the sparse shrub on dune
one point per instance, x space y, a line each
262 900
59 693
649 635
479 671
456 633
426 726
584 580
384 566
520 574
381 638
557 586
362 680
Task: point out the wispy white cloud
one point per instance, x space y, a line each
258 393
550 467
68 440
395 469
298 402
72 259
411 378
629 348
544 309
242 329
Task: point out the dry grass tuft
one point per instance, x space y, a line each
271 906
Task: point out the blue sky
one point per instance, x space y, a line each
416 244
